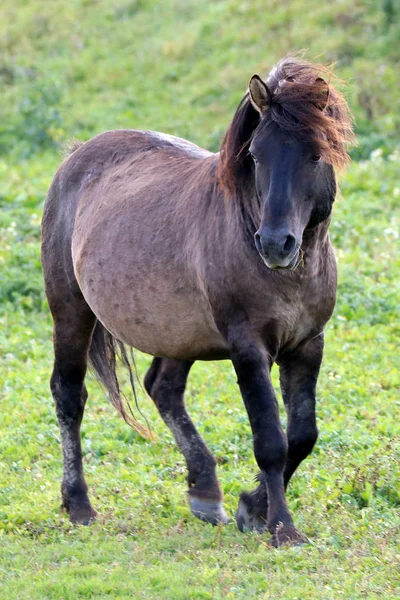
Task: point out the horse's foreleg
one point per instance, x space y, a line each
165 383
298 375
270 444
72 334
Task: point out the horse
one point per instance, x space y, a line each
153 243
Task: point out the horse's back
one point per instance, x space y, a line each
105 164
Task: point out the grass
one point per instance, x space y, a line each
181 67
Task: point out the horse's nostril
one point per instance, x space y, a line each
289 244
276 245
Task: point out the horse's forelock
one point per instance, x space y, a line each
298 89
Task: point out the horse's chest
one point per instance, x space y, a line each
299 316
306 320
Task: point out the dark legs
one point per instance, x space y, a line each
298 373
277 457
72 334
166 382
252 512
298 376
270 444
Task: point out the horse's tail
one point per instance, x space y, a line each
103 353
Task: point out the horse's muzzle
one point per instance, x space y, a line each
279 249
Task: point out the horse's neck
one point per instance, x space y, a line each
317 235
316 243
248 209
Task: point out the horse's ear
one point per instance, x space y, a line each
260 96
323 93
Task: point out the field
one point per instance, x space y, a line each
78 68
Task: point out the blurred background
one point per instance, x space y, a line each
80 67
72 69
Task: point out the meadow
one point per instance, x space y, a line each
78 68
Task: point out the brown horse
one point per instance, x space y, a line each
153 242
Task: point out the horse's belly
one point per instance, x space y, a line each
180 331
180 338
153 314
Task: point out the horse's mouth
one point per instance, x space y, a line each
292 265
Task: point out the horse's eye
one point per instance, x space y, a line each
253 157
315 158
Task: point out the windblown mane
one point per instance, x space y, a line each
296 90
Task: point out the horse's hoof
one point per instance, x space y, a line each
287 535
248 520
208 510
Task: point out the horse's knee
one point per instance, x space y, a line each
302 439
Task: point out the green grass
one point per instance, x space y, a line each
182 65
79 68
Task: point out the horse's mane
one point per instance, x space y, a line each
296 89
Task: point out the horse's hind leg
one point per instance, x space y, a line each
73 327
165 382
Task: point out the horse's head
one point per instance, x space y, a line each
295 186
288 135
